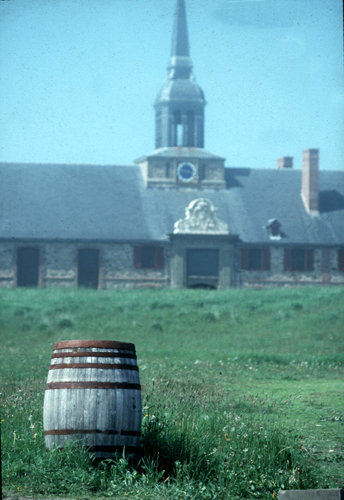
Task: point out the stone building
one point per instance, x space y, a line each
177 217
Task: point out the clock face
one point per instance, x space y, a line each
186 171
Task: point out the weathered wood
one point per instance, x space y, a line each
94 398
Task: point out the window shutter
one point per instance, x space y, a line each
287 260
266 259
159 257
309 260
341 259
137 257
244 258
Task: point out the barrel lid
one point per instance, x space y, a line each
105 344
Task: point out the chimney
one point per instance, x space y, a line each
310 183
285 162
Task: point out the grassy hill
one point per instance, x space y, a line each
270 359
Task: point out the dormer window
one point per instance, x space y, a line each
274 228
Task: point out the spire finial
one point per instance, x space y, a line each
180 40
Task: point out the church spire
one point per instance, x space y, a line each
180 40
179 108
179 158
180 65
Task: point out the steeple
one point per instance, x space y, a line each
179 159
180 103
180 39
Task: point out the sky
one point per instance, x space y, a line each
78 78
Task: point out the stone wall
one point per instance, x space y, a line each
161 171
213 170
336 277
324 272
7 265
226 246
118 269
58 267
59 264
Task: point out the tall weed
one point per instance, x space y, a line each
199 352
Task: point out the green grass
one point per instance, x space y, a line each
243 390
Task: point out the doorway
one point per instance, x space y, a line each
202 267
88 268
28 267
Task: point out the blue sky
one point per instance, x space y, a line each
79 78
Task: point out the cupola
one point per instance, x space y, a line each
179 159
179 107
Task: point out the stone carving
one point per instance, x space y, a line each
200 218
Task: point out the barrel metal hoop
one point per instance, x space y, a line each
107 344
92 385
64 432
102 366
87 354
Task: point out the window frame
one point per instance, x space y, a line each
246 260
159 260
290 257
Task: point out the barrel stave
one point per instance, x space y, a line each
93 374
105 419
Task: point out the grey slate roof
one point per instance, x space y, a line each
181 91
111 203
181 152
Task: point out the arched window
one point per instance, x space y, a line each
190 129
178 129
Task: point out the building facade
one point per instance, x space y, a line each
176 218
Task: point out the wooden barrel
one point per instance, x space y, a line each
93 395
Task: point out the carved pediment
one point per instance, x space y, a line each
200 219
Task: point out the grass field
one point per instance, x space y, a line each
243 391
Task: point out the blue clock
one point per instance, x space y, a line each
186 171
